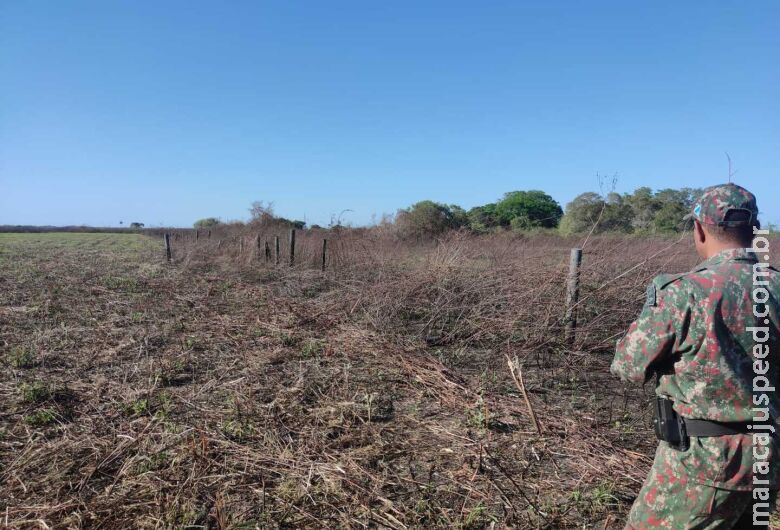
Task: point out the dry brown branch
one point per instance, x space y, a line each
224 391
517 377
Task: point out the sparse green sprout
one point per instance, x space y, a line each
171 372
312 347
261 332
478 517
479 416
166 399
35 392
138 407
288 489
21 358
165 405
120 283
603 495
599 499
137 316
40 418
237 430
624 424
289 340
154 462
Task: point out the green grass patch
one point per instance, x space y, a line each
21 357
40 418
289 340
36 392
238 430
138 407
312 347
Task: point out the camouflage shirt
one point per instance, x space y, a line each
693 332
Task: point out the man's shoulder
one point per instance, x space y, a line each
666 281
745 273
666 286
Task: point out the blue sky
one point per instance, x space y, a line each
168 111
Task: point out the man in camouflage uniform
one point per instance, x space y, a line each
692 334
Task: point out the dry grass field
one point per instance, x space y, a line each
221 391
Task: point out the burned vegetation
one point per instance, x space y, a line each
225 390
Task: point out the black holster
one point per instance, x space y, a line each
670 426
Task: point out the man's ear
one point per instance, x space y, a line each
698 232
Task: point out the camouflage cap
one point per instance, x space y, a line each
715 203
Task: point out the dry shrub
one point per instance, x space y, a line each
224 391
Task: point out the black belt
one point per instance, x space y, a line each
707 428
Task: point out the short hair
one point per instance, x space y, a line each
741 235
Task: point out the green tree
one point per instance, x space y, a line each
535 208
428 218
684 196
483 217
643 205
582 213
459 216
617 215
641 211
208 222
669 218
674 205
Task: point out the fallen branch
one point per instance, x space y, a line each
517 375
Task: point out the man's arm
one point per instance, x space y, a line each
655 334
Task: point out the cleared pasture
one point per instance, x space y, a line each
220 391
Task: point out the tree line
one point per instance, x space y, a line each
261 213
643 211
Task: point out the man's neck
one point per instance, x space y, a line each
717 249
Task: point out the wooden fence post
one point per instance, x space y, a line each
167 238
292 247
209 235
267 251
197 234
276 244
573 293
240 245
324 252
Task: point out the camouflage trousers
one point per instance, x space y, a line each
679 503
